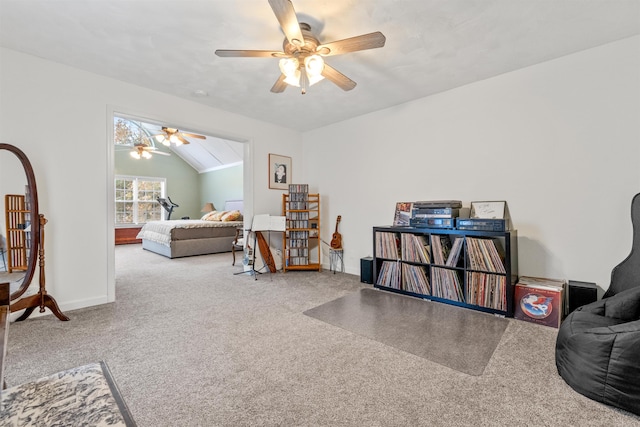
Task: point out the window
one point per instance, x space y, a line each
130 133
136 199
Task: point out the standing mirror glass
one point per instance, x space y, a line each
22 234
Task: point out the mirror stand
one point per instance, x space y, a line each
41 299
20 217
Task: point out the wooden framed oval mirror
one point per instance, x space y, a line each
23 234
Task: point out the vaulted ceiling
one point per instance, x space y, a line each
204 154
431 46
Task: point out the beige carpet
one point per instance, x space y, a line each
455 337
191 344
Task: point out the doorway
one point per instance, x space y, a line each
200 155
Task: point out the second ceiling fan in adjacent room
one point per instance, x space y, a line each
173 135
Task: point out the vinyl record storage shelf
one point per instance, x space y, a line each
479 271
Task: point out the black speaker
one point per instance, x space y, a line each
366 270
581 293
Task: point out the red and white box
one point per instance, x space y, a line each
539 300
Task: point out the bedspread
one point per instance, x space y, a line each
162 232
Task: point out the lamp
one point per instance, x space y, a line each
296 76
208 207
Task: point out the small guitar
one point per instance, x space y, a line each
336 239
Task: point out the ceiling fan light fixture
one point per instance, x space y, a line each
139 152
314 79
314 65
293 79
288 66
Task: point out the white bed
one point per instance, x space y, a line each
189 237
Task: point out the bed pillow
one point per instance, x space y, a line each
231 216
208 215
217 216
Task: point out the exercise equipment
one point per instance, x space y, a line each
168 205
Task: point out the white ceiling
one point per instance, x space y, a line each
432 46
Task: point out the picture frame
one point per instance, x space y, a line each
279 171
402 217
488 210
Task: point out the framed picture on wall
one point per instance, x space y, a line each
279 171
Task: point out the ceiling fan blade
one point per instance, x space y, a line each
279 86
193 135
353 44
344 82
226 53
184 141
286 15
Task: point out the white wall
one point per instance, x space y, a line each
559 141
61 118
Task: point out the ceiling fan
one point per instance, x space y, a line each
301 61
143 151
174 135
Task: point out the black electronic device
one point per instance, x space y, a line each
481 224
366 270
455 204
435 212
579 294
432 222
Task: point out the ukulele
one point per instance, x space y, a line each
336 239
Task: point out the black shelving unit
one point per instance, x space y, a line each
482 277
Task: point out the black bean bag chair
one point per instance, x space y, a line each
598 350
598 345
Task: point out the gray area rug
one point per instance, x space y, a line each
85 395
455 337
